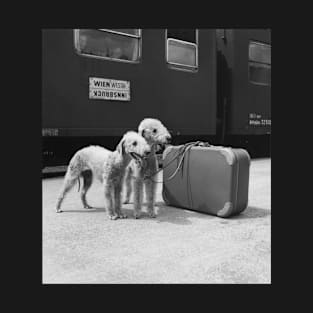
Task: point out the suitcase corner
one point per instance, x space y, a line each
229 155
226 210
166 151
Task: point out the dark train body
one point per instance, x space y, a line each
202 84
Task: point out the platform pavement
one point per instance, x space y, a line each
179 246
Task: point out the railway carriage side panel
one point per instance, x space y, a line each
184 101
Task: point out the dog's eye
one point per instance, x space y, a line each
135 143
154 131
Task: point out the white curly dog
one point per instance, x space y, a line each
138 177
108 167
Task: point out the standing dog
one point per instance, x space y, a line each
155 134
107 166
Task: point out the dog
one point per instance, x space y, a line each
108 167
138 177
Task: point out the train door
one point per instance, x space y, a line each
223 84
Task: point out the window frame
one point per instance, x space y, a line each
120 33
139 37
258 63
179 66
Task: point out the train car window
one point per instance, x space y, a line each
260 63
112 44
182 49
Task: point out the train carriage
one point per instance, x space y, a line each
244 86
203 84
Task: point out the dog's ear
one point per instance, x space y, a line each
121 147
143 133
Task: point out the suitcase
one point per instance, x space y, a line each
205 178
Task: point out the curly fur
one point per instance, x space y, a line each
108 167
155 134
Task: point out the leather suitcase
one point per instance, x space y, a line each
205 178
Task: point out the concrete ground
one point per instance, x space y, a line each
179 246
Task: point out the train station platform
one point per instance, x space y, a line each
178 246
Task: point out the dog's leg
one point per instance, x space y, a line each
72 173
138 195
117 201
128 184
108 198
69 182
150 188
87 181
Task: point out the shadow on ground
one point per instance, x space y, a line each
252 212
182 216
82 210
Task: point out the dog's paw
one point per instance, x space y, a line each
152 215
121 215
137 215
113 217
88 207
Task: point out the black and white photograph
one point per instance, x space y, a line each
156 155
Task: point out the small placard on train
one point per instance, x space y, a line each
109 89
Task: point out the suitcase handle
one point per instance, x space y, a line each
186 147
202 144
